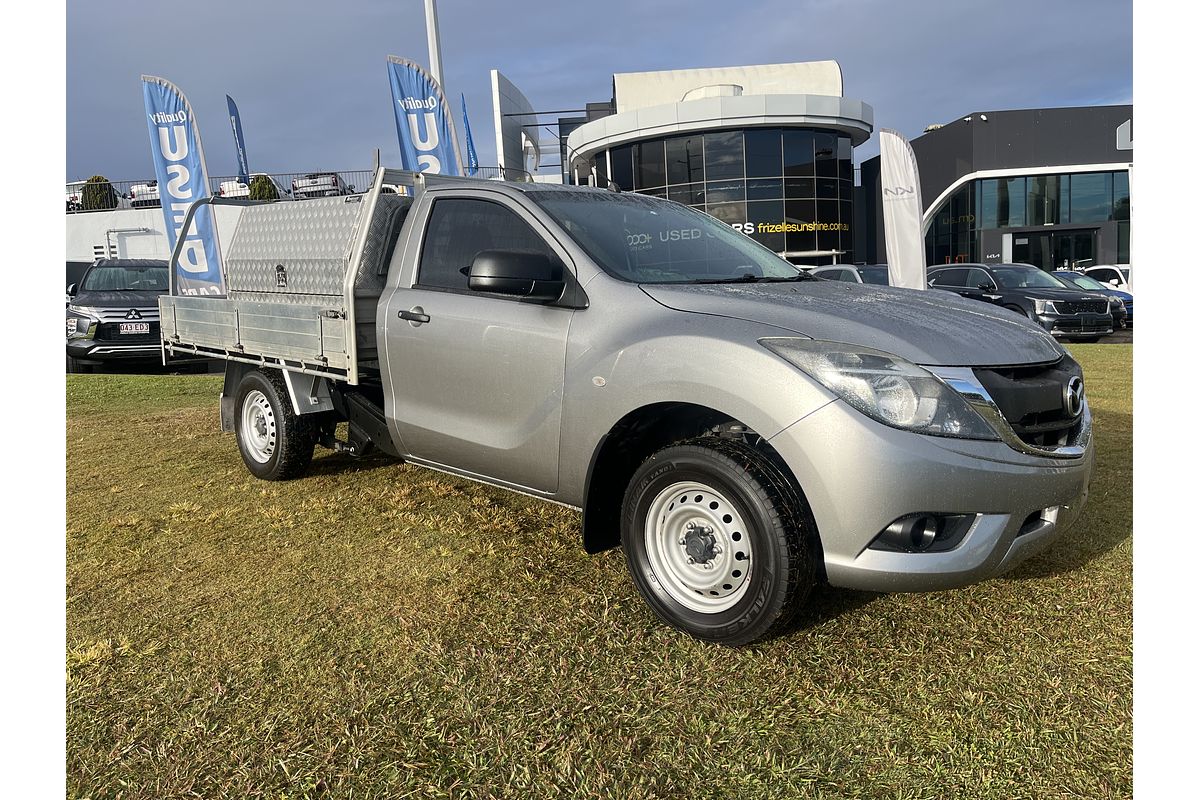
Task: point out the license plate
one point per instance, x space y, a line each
135 327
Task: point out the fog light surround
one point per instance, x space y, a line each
927 532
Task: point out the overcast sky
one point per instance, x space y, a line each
310 80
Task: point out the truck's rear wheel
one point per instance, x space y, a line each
276 444
718 540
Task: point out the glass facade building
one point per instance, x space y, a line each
789 188
1049 220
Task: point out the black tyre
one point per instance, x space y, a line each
719 541
276 444
74 367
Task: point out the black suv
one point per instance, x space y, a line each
1061 309
113 313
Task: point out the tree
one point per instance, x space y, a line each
98 194
263 188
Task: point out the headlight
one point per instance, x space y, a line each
78 324
886 388
1044 307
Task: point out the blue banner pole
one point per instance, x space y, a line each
239 141
182 180
472 159
424 124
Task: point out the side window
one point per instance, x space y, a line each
1103 275
977 278
846 276
948 277
459 228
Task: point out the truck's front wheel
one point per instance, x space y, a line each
718 540
276 444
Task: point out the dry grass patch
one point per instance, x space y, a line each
378 630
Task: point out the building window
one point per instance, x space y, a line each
723 156
764 188
650 163
826 154
1121 197
621 160
685 160
729 213
767 216
601 167
690 194
1002 203
1042 205
724 191
951 237
764 154
801 233
1091 197
798 154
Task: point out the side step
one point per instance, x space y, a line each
368 426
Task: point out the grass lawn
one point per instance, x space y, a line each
379 630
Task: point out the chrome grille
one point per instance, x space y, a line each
118 314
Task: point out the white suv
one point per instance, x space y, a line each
319 184
1110 275
235 188
145 195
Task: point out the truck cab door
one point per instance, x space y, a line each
476 379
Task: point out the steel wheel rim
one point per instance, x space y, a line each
258 426
698 547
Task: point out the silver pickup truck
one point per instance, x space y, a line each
742 430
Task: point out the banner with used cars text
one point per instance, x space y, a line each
182 180
423 121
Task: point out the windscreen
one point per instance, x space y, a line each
1084 282
126 279
646 240
1027 278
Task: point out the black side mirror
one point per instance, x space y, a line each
987 287
72 290
520 273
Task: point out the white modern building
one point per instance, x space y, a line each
766 148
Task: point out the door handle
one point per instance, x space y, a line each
415 316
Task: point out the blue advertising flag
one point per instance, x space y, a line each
239 141
423 121
182 180
472 159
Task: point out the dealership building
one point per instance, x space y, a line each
767 149
1046 186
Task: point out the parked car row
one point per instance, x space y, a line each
1068 304
146 194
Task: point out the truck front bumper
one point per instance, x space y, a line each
1077 324
105 350
860 476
